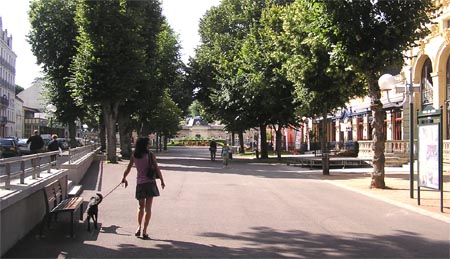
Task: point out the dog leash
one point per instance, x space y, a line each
112 190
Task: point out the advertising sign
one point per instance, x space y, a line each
429 171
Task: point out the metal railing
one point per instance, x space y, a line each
33 165
79 152
24 166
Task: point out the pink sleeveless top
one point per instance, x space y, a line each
141 168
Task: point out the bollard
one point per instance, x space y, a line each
8 176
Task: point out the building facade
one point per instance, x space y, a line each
7 84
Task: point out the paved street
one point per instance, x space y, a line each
249 210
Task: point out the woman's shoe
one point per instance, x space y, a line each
138 233
145 236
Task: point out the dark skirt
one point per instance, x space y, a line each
146 190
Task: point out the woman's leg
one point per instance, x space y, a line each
140 214
148 213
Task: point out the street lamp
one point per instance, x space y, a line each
85 127
52 109
387 83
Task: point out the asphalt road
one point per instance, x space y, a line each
249 210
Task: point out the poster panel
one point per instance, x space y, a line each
429 156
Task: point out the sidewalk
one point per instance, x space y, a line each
397 191
397 188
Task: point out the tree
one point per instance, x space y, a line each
322 84
272 94
241 82
165 72
110 58
166 118
52 39
371 37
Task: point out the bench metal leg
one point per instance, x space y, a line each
81 212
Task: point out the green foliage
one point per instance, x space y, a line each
237 68
110 59
18 89
318 78
166 118
52 39
195 108
372 35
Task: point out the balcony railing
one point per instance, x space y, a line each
398 148
3 120
4 102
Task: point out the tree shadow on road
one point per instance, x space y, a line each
259 242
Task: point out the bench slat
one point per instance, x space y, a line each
68 204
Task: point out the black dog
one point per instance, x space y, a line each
92 211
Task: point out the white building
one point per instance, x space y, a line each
7 84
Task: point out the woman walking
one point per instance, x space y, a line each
146 187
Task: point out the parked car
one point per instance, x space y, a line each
23 146
9 147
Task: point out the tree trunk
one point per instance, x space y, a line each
278 142
102 132
165 143
378 115
110 115
241 142
263 144
72 134
323 145
125 130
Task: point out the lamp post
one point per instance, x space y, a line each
85 127
51 109
387 83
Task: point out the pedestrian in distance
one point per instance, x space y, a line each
36 143
54 145
213 149
146 188
226 151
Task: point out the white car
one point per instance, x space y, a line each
23 146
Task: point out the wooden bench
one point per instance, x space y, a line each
57 201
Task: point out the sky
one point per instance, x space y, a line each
183 17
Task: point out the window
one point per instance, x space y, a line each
397 123
426 84
360 129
